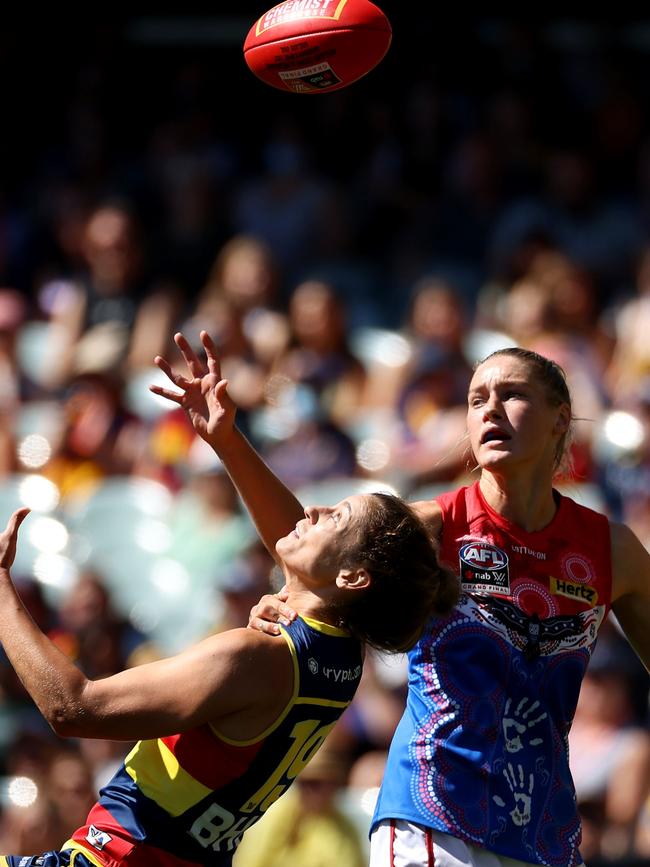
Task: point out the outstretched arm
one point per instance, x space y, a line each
240 673
204 397
631 589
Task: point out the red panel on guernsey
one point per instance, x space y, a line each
116 852
209 760
561 569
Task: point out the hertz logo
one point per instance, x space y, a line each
580 592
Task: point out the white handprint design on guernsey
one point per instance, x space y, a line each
515 726
522 789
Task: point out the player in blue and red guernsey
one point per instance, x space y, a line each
478 770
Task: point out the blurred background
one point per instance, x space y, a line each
353 255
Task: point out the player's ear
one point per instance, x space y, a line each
563 420
353 579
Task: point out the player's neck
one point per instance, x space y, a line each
528 503
308 604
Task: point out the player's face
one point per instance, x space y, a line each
510 420
317 549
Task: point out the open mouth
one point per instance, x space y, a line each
494 435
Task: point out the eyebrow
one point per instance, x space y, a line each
502 383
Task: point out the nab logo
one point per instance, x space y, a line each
481 555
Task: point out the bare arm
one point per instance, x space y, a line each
631 589
204 397
274 509
240 675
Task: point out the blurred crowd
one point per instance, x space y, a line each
352 262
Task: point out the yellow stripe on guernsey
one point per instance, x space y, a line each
154 768
326 628
3 861
76 849
289 705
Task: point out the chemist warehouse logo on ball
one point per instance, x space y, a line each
484 568
295 10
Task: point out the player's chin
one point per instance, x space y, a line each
488 458
285 543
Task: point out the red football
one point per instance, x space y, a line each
316 46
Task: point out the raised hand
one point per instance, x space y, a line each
9 538
204 394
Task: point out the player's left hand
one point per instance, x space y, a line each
204 394
270 611
9 538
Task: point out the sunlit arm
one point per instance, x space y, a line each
273 508
631 589
236 672
203 394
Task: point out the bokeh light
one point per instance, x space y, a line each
56 571
373 454
22 791
34 451
153 536
39 494
170 577
48 535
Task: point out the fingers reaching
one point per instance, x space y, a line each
166 368
214 365
195 366
9 538
165 392
16 520
178 380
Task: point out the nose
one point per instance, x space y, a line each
312 513
492 408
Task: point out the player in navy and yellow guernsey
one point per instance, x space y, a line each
225 727
478 770
189 797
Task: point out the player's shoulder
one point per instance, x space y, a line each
251 650
430 513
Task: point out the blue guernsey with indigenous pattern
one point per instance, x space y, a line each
188 798
482 749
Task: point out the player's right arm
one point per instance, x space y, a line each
204 397
240 679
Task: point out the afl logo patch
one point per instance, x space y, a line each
484 568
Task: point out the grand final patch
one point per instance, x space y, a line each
484 569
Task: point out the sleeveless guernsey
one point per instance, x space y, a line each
188 798
482 749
